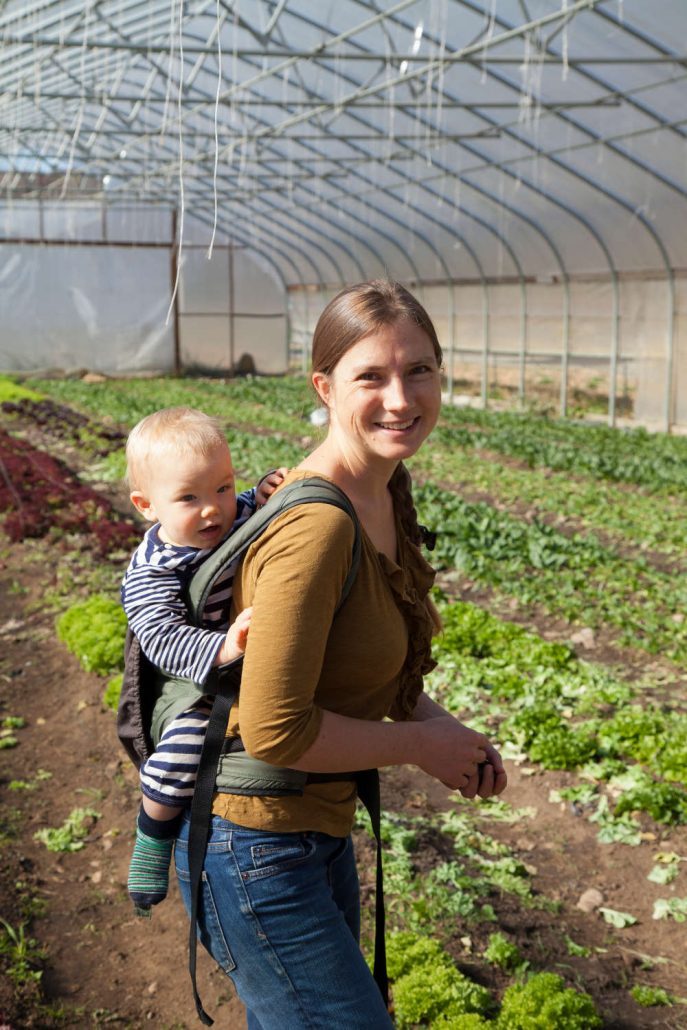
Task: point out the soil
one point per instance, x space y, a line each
103 966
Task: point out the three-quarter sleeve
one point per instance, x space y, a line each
293 577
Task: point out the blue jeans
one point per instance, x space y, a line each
280 915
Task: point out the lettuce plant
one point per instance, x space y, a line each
94 630
543 1003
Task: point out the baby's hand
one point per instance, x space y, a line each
268 485
235 641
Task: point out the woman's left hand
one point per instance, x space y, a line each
490 778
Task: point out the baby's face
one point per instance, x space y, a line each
193 497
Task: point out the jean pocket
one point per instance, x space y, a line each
271 857
210 932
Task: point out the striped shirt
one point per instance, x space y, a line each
153 599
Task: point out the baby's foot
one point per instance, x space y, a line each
149 871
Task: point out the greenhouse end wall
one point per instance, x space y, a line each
509 341
85 287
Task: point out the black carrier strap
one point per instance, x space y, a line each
225 683
368 791
199 829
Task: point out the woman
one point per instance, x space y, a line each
281 910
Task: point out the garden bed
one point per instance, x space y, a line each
458 873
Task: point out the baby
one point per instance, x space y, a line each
181 478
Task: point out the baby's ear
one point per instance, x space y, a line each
142 505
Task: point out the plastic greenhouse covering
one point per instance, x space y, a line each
185 184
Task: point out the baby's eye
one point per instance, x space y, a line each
225 488
187 497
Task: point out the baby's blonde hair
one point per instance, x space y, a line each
179 429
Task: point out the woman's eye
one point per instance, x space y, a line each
368 377
420 370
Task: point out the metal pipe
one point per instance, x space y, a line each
615 341
174 268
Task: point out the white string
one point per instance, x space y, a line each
217 95
181 161
163 122
487 40
82 105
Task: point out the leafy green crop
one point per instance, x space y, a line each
548 740
655 460
627 517
94 630
577 950
428 989
673 908
544 1003
11 391
663 802
564 713
650 735
69 836
575 577
279 404
22 953
112 692
648 996
502 953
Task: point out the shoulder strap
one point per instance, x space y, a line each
311 490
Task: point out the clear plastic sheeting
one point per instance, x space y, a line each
231 315
75 296
552 342
493 145
92 308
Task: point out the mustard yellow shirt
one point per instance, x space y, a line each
301 659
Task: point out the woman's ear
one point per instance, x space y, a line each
322 386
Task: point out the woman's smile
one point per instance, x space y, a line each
399 427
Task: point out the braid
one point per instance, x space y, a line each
400 486
401 490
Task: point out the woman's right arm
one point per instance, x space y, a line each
293 579
443 747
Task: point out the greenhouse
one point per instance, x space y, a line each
343 394
520 164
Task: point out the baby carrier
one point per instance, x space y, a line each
150 699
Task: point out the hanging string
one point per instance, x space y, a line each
181 161
168 91
82 104
217 95
487 40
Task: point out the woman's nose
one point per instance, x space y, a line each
396 394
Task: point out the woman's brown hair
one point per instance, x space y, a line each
361 310
355 313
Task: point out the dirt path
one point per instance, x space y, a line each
103 965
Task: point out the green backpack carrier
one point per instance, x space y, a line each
150 699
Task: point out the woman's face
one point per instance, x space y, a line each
384 394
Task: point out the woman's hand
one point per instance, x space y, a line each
490 778
452 752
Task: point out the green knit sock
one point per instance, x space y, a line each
149 870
